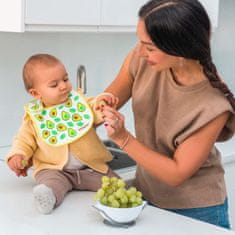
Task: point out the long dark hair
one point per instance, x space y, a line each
182 28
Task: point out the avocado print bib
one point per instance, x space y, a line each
61 124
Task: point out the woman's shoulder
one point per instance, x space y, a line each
216 99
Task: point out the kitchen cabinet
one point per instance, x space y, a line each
11 15
62 13
119 15
77 15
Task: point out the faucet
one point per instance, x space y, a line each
81 78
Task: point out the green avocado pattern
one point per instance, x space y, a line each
63 123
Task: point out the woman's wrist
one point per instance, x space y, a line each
122 143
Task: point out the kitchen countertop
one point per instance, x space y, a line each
76 215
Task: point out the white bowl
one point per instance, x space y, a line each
119 215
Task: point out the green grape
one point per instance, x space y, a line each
100 193
115 204
105 179
139 201
124 205
121 183
124 199
128 193
138 194
113 179
132 198
104 200
114 194
133 190
109 191
134 204
120 193
105 185
111 198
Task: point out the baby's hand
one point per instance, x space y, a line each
19 165
105 99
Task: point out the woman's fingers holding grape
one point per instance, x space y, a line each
113 117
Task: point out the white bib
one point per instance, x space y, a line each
61 124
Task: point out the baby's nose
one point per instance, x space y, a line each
62 86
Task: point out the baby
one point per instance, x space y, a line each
57 136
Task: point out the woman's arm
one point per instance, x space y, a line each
121 86
187 159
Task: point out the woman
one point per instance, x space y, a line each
181 108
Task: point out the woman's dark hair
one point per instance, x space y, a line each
182 28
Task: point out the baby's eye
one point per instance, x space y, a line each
53 85
66 79
149 49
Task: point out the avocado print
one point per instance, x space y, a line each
76 117
72 132
81 107
35 107
61 127
63 123
63 136
39 117
44 112
86 116
50 124
53 140
53 113
45 134
65 116
69 103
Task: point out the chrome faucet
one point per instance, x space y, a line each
81 78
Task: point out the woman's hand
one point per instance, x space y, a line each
114 123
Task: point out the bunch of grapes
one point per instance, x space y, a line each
114 194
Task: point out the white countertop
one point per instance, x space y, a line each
76 215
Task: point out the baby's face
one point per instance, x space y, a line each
51 84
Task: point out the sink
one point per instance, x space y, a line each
120 158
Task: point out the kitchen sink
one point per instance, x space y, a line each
120 158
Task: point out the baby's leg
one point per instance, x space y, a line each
91 179
51 184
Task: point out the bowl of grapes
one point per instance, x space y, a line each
118 205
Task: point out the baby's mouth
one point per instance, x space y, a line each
66 98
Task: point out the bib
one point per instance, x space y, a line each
61 124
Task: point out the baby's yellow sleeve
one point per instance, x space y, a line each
24 142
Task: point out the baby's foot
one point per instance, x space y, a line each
44 198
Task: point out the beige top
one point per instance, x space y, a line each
165 115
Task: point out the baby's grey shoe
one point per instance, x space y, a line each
44 198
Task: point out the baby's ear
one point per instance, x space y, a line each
33 92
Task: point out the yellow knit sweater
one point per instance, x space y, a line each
89 149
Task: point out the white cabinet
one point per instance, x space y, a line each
61 13
11 15
119 15
77 15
